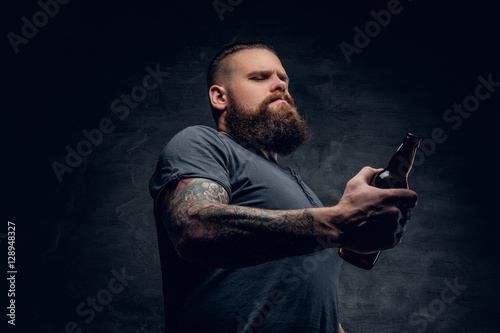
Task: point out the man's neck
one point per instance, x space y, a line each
272 156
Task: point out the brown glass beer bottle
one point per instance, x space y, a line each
395 175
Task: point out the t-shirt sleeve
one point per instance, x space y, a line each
196 152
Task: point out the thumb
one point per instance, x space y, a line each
404 198
367 173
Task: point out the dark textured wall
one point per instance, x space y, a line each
77 232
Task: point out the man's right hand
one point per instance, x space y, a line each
372 219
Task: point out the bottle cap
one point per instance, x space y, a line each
412 139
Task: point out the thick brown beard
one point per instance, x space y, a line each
276 128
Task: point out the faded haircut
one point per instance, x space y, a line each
220 70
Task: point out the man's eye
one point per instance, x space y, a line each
257 78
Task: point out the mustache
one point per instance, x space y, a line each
279 95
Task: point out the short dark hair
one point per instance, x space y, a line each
218 69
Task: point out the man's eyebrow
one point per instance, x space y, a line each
282 75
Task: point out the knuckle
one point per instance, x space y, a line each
351 182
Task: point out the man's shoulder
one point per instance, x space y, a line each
198 130
196 133
198 138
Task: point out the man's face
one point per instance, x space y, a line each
258 73
261 113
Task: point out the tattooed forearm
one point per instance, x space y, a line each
208 230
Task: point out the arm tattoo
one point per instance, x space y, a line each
207 229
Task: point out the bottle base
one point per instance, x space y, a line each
365 261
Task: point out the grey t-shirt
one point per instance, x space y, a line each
296 294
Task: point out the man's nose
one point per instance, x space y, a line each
278 85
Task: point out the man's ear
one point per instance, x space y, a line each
218 97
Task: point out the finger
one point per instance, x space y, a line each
401 226
406 216
389 241
404 198
399 237
367 173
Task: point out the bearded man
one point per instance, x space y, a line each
245 245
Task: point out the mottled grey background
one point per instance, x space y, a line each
72 234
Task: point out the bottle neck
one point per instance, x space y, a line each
402 161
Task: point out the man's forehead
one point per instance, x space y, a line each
257 60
